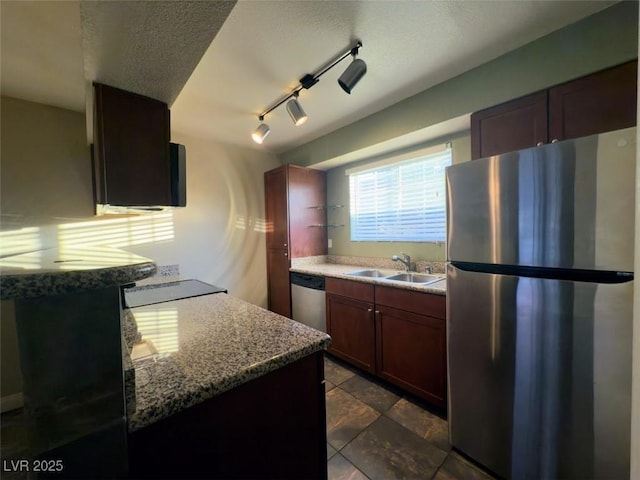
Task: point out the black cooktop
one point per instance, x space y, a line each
167 292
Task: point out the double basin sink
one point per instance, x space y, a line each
409 277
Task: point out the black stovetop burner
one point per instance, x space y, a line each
167 292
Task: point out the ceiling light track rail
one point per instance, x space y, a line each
350 77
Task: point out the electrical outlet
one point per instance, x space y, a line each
330 242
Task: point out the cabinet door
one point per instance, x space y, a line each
351 325
278 286
275 187
411 353
131 151
307 213
597 103
518 124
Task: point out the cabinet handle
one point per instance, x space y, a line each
369 310
539 144
285 244
286 254
555 140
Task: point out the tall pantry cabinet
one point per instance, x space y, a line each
296 224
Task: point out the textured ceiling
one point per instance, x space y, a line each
53 50
146 47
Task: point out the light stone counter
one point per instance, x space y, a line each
59 271
193 349
342 271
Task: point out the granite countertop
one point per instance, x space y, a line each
341 271
189 350
60 271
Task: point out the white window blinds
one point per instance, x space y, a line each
400 202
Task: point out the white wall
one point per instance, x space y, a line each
44 152
219 235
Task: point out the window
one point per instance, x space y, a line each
401 199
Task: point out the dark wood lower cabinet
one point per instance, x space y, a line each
352 329
411 353
350 322
397 334
273 427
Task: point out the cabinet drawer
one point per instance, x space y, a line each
412 301
349 288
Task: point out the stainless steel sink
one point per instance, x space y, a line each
413 277
369 273
410 277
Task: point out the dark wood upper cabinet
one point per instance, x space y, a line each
295 201
307 196
596 103
510 126
601 102
275 186
131 149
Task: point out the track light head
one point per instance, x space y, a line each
296 112
352 75
260 133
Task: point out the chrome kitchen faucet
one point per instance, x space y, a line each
406 259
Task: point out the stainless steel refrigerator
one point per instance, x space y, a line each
539 308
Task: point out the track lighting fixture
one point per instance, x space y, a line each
347 81
260 133
295 111
352 75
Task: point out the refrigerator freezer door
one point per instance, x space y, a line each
540 374
564 205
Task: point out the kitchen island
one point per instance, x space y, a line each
222 389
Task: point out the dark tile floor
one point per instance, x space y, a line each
375 432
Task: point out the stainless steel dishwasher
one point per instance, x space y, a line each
308 300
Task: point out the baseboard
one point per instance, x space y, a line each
11 402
